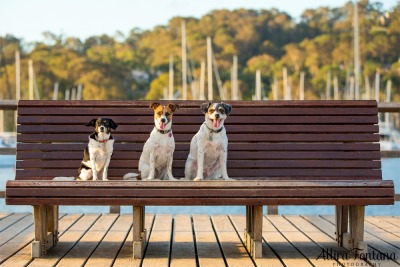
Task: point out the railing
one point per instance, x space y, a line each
390 107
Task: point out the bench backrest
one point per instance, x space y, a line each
267 139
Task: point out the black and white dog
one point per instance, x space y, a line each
97 154
209 147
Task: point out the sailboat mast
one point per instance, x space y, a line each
356 53
184 62
209 69
171 78
30 73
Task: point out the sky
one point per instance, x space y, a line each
28 19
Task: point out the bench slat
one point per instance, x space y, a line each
232 155
232 147
90 192
127 164
231 201
82 119
188 103
235 173
190 111
360 137
134 129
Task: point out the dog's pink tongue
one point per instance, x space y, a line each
162 126
216 123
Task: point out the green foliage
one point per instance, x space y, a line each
268 40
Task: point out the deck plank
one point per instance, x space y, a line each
234 252
106 252
67 241
325 241
4 215
269 258
385 224
158 249
79 254
16 243
374 243
11 219
298 239
124 257
15 228
285 251
208 251
23 257
183 251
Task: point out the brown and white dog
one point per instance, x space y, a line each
156 159
97 154
209 147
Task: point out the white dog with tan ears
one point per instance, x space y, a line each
209 147
156 159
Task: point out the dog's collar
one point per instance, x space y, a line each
163 131
103 141
212 130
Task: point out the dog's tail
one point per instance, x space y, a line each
62 178
131 176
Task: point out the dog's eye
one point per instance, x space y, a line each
167 114
222 111
159 113
211 111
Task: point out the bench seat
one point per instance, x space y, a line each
184 193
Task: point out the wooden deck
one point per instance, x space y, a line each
198 240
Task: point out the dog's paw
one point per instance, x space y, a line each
172 178
149 178
105 179
197 179
228 179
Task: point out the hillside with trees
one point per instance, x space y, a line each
135 66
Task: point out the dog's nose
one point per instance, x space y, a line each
163 120
102 128
217 116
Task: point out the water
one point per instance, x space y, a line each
390 171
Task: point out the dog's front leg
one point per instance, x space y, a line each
223 159
169 167
200 164
152 165
105 169
93 164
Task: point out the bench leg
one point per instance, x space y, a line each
342 223
253 231
52 224
356 214
46 229
139 232
350 228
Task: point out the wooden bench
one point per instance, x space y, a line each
280 152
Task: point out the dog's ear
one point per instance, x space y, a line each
204 107
154 105
227 107
173 107
113 125
91 123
